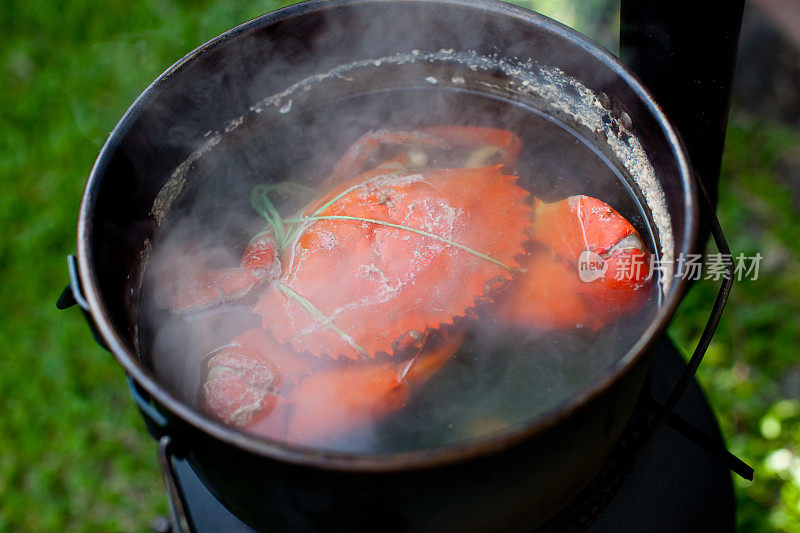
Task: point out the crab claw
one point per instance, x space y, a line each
333 401
347 396
589 268
611 257
243 378
183 286
579 223
549 295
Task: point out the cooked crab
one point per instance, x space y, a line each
364 293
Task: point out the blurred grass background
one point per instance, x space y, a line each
74 454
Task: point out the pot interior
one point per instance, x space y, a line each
280 102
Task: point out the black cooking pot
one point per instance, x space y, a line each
288 62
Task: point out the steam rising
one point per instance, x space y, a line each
573 143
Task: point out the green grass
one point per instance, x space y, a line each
74 454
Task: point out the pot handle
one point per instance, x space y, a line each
663 412
716 311
157 424
73 295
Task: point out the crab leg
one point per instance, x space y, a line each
368 145
183 288
491 146
347 396
486 147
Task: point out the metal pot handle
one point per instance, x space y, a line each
663 412
73 295
157 424
716 311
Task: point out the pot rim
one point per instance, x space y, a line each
412 459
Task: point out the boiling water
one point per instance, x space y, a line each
501 376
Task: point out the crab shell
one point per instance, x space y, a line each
387 255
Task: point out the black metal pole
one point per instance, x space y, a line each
685 53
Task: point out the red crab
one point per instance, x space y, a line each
363 292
